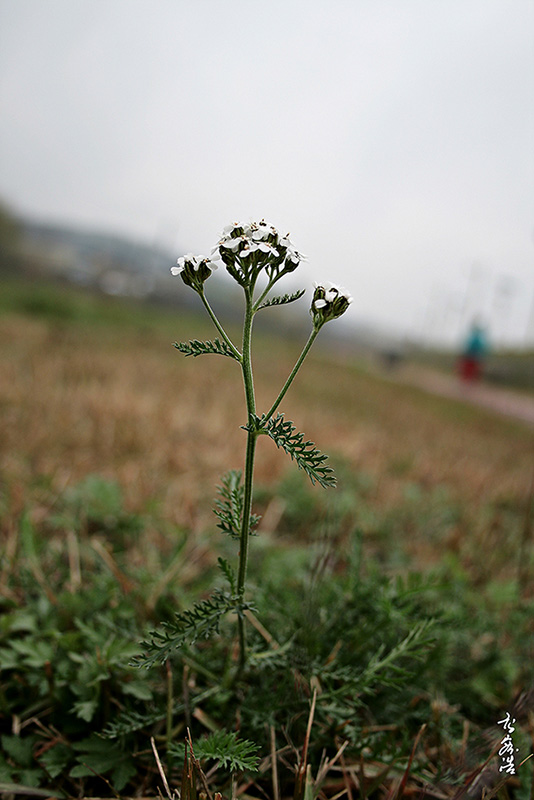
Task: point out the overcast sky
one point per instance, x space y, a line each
394 139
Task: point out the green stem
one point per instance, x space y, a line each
244 540
248 380
246 363
219 327
170 703
294 371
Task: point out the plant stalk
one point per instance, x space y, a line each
169 710
248 380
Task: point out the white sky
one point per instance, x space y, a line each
394 139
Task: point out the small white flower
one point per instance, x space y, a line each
346 294
231 228
182 262
203 260
265 247
232 244
194 269
326 285
329 302
285 241
332 291
253 247
262 230
292 253
189 257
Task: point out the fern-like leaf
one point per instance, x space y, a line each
196 348
284 434
391 668
229 573
200 622
229 506
128 722
283 299
228 750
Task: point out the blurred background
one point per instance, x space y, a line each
392 140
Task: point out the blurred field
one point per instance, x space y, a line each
92 385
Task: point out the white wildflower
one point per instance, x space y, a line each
329 302
194 270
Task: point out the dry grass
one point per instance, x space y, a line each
121 402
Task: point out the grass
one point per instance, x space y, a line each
106 392
108 473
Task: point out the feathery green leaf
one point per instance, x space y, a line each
229 508
308 457
282 299
130 721
229 573
230 751
200 622
197 348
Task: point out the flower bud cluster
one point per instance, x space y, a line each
194 270
329 301
248 248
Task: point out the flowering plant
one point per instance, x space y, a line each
248 251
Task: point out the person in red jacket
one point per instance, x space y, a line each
473 354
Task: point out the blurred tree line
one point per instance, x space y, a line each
10 240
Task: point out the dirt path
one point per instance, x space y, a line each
501 401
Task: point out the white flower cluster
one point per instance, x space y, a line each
194 270
247 248
329 301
